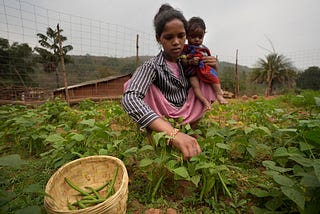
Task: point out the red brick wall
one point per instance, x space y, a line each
112 88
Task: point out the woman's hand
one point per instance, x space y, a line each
187 145
211 61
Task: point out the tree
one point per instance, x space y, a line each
50 53
275 68
309 79
16 63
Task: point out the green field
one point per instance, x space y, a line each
258 156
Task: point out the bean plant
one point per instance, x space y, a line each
258 156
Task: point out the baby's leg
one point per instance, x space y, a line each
219 94
194 81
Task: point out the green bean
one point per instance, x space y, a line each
89 197
96 193
70 206
81 205
102 186
83 192
96 201
112 183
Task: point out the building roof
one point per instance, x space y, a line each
91 82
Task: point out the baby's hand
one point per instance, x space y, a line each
194 61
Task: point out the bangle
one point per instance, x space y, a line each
172 135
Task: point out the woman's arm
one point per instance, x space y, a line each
134 94
186 144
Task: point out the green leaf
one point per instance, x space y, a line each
259 192
182 172
273 204
188 127
196 179
283 180
265 129
247 130
132 150
33 188
77 137
252 151
146 148
204 165
302 161
6 197
296 196
223 146
305 146
145 162
103 152
317 100
310 181
288 130
281 152
272 165
157 136
316 166
12 161
29 210
89 122
313 135
171 164
258 210
55 138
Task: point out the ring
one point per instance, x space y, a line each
195 149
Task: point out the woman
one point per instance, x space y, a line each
159 88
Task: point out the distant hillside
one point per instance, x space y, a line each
227 65
89 67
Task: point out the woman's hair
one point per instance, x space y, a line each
166 14
196 22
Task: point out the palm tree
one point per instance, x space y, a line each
275 68
50 53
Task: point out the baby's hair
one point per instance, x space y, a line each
166 14
196 22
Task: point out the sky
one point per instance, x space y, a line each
253 27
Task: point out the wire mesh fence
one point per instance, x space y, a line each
100 49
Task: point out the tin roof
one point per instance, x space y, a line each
91 82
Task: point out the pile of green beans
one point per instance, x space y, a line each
91 196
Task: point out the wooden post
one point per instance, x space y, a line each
236 88
137 50
63 67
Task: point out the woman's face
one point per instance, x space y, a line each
173 39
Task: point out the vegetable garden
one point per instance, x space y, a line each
258 156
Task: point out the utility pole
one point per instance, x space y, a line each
236 88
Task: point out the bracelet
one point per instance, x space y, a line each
172 135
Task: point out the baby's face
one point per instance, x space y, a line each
195 36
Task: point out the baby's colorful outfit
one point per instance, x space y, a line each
205 73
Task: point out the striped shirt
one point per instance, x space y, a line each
154 71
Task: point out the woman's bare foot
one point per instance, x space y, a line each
206 105
221 100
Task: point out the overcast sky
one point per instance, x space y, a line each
293 26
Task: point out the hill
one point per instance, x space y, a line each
87 67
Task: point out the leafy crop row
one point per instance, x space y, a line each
259 156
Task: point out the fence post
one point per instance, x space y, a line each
137 50
236 88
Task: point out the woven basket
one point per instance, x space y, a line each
91 171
